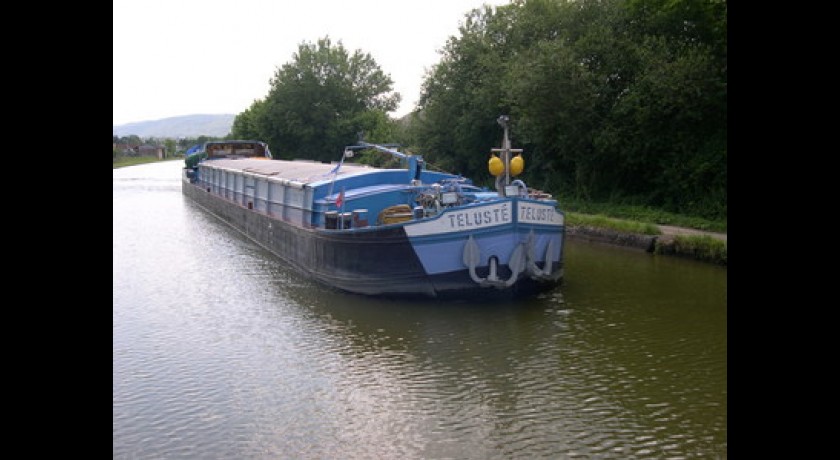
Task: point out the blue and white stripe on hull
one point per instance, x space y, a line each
497 229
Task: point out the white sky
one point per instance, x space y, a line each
184 57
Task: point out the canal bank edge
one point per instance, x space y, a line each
667 243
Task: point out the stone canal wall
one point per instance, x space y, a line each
665 244
609 236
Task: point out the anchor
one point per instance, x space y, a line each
536 272
472 256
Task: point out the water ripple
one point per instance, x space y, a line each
220 352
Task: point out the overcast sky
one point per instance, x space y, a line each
185 57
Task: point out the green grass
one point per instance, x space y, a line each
701 247
131 161
643 214
621 225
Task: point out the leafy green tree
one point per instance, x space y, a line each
678 102
170 146
613 100
132 140
573 65
463 95
683 21
319 102
245 124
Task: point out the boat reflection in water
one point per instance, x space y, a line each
221 352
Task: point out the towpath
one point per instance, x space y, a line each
662 244
668 230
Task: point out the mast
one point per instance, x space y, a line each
503 121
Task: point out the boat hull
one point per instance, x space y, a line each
378 261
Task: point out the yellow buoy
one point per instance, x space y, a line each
495 165
517 164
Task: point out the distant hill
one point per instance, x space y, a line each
183 126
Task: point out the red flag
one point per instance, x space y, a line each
340 200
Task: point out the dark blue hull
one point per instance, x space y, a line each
378 261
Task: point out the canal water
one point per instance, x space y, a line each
221 352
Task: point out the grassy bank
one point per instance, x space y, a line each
642 214
700 247
619 225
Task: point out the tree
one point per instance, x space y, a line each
463 95
245 125
134 140
319 102
170 146
612 100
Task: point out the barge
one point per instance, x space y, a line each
392 232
